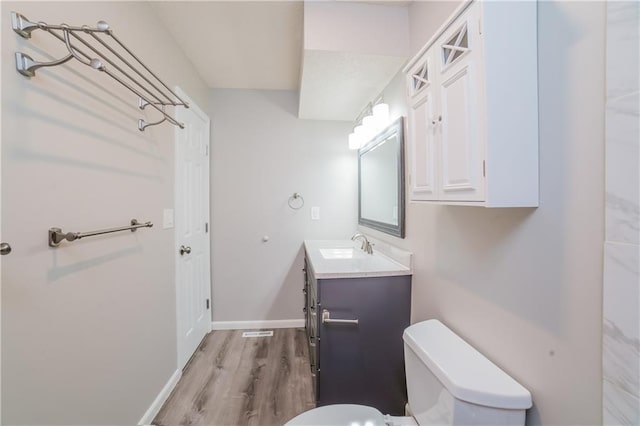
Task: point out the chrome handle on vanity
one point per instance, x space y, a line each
184 250
326 319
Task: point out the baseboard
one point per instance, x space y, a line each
244 325
157 404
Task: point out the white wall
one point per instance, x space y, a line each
88 329
621 304
261 154
361 28
524 286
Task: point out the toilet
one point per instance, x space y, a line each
448 383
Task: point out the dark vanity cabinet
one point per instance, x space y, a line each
354 329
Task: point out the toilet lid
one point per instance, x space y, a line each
339 415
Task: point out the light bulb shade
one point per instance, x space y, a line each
369 123
354 141
381 115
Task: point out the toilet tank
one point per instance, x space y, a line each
451 383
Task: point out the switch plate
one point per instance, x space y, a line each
167 219
315 213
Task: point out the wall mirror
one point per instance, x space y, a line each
381 181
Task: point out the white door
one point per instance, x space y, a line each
192 247
462 141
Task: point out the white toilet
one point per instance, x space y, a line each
448 383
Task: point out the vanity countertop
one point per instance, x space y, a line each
345 259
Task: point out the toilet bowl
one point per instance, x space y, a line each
448 383
348 415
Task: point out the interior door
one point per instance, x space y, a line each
193 275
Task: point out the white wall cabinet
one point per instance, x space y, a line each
473 109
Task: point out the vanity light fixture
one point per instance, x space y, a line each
354 141
371 121
381 115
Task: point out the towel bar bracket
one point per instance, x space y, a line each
22 25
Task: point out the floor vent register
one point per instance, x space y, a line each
268 333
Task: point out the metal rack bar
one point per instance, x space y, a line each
56 236
113 36
149 89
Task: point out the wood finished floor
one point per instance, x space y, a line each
233 381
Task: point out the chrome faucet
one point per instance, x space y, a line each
366 245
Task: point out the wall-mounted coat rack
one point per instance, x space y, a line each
103 52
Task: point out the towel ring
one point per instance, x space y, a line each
294 203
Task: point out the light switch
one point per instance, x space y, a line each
315 213
167 219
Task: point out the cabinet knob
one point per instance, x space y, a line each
5 249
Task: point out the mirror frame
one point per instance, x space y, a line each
395 128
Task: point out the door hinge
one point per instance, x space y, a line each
480 26
206 227
484 168
206 150
207 303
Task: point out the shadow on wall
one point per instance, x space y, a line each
517 258
56 271
74 99
484 251
282 103
88 85
290 292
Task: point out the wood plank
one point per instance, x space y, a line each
233 380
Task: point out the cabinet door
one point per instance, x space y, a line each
363 363
422 130
461 149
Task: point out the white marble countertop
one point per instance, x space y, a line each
345 259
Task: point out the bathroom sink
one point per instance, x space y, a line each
341 253
344 259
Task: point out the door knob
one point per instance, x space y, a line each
5 249
184 250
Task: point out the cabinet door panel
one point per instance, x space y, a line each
422 134
363 363
460 156
422 131
461 133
